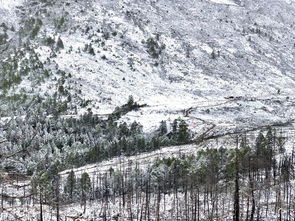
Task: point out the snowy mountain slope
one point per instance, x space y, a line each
225 66
172 56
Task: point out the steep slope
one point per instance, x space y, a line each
170 55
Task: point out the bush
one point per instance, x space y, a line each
49 41
154 48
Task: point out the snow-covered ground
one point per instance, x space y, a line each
250 60
227 2
10 4
94 211
141 161
227 66
212 52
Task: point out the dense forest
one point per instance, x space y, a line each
252 181
41 141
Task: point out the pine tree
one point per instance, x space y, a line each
260 144
183 133
236 216
135 128
130 102
174 126
59 44
91 50
124 130
163 128
70 186
85 186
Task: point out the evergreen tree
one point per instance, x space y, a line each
91 50
85 186
260 144
124 130
269 147
59 44
163 128
135 128
70 185
174 126
130 102
269 138
183 133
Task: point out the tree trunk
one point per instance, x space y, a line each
41 207
237 198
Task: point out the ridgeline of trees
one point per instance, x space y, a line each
44 141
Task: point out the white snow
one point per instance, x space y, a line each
10 4
142 160
226 2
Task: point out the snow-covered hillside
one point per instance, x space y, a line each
211 84
230 62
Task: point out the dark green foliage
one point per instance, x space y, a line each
48 183
60 23
15 68
96 139
85 183
9 75
59 44
213 55
130 102
209 166
124 109
174 126
260 144
85 188
183 132
54 105
89 49
180 132
106 35
49 41
61 89
4 26
70 186
163 128
135 129
124 130
263 150
154 48
37 26
3 38
223 175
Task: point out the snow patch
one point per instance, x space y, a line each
226 2
207 48
9 4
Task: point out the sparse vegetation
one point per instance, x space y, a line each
154 48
